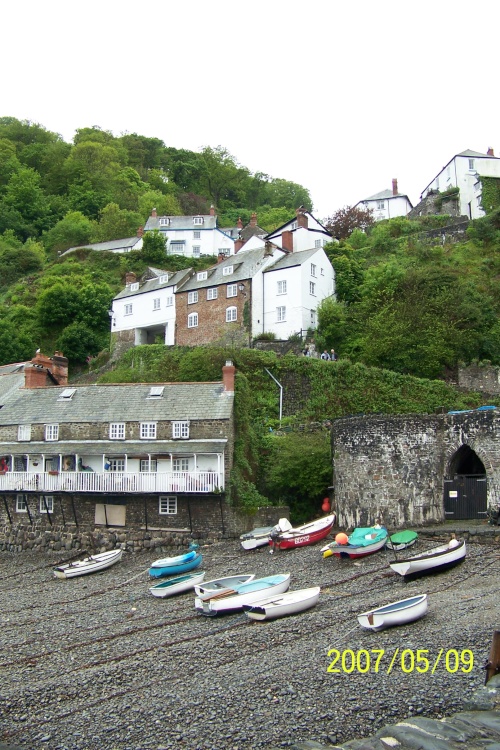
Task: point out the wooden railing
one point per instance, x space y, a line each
90 481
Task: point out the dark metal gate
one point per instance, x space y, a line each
465 497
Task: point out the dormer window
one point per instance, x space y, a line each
134 287
163 280
164 222
198 220
202 276
227 270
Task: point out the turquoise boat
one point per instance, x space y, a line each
172 566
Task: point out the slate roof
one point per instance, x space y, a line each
384 195
117 403
181 222
475 154
115 447
11 379
174 278
245 266
292 259
125 244
278 230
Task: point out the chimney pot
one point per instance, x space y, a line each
394 186
239 223
212 211
490 152
253 220
153 213
287 241
140 231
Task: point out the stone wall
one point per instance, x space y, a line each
480 378
392 468
436 203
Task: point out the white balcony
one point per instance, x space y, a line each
116 482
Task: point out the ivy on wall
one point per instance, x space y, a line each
490 199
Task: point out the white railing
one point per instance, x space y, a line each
90 481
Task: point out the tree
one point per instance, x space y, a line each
71 231
78 342
116 223
154 248
221 175
166 205
344 221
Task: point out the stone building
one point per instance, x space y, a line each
416 469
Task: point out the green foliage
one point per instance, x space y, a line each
116 223
18 259
154 248
78 342
73 230
265 336
490 194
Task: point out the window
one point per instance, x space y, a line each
163 280
201 276
180 430
24 432
134 287
471 163
169 301
197 252
164 222
293 225
212 292
317 243
156 303
281 287
322 271
144 464
180 464
312 288
148 430
67 394
177 248
223 251
380 205
198 220
20 463
193 320
117 430
128 309
52 432
168 505
46 504
227 270
21 504
280 314
156 391
313 318
192 298
196 235
231 314
313 269
116 464
232 290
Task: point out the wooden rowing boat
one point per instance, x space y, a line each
91 564
290 603
362 542
397 613
247 593
170 566
177 585
433 561
258 537
301 536
221 585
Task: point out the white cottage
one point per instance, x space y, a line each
192 236
387 204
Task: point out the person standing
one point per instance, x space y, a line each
325 355
333 356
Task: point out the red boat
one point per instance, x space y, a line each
309 533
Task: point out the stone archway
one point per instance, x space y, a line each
465 488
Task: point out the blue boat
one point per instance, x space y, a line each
170 566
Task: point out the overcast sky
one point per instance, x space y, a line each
340 97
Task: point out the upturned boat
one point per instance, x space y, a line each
280 605
397 613
91 564
433 561
176 585
362 542
300 536
171 566
247 593
219 586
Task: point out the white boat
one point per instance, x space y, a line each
91 564
290 603
432 561
258 537
397 613
247 593
222 585
176 585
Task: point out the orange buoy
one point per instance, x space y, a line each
342 538
326 505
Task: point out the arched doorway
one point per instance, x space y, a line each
465 488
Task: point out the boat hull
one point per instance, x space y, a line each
248 593
221 585
290 603
433 561
352 551
256 538
397 613
91 564
304 535
177 585
159 571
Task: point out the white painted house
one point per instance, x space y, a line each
302 233
387 204
192 236
144 312
125 245
464 171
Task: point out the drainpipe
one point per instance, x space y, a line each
281 391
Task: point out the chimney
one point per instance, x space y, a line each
228 376
287 241
220 257
239 223
490 152
60 368
302 220
153 213
238 244
140 231
268 249
35 376
253 220
130 278
212 211
394 186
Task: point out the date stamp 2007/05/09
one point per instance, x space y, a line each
407 660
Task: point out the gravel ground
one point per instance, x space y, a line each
97 663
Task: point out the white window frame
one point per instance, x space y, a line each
128 310
293 225
49 499
21 504
144 464
197 220
312 288
197 235
162 279
313 270
116 465
193 320
180 430
227 270
156 303
134 287
212 292
196 251
317 243
313 318
51 433
180 464
231 314
176 247
164 222
201 275
380 205
24 432
169 301
281 287
281 314
117 430
167 505
192 298
148 430
471 165
232 290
